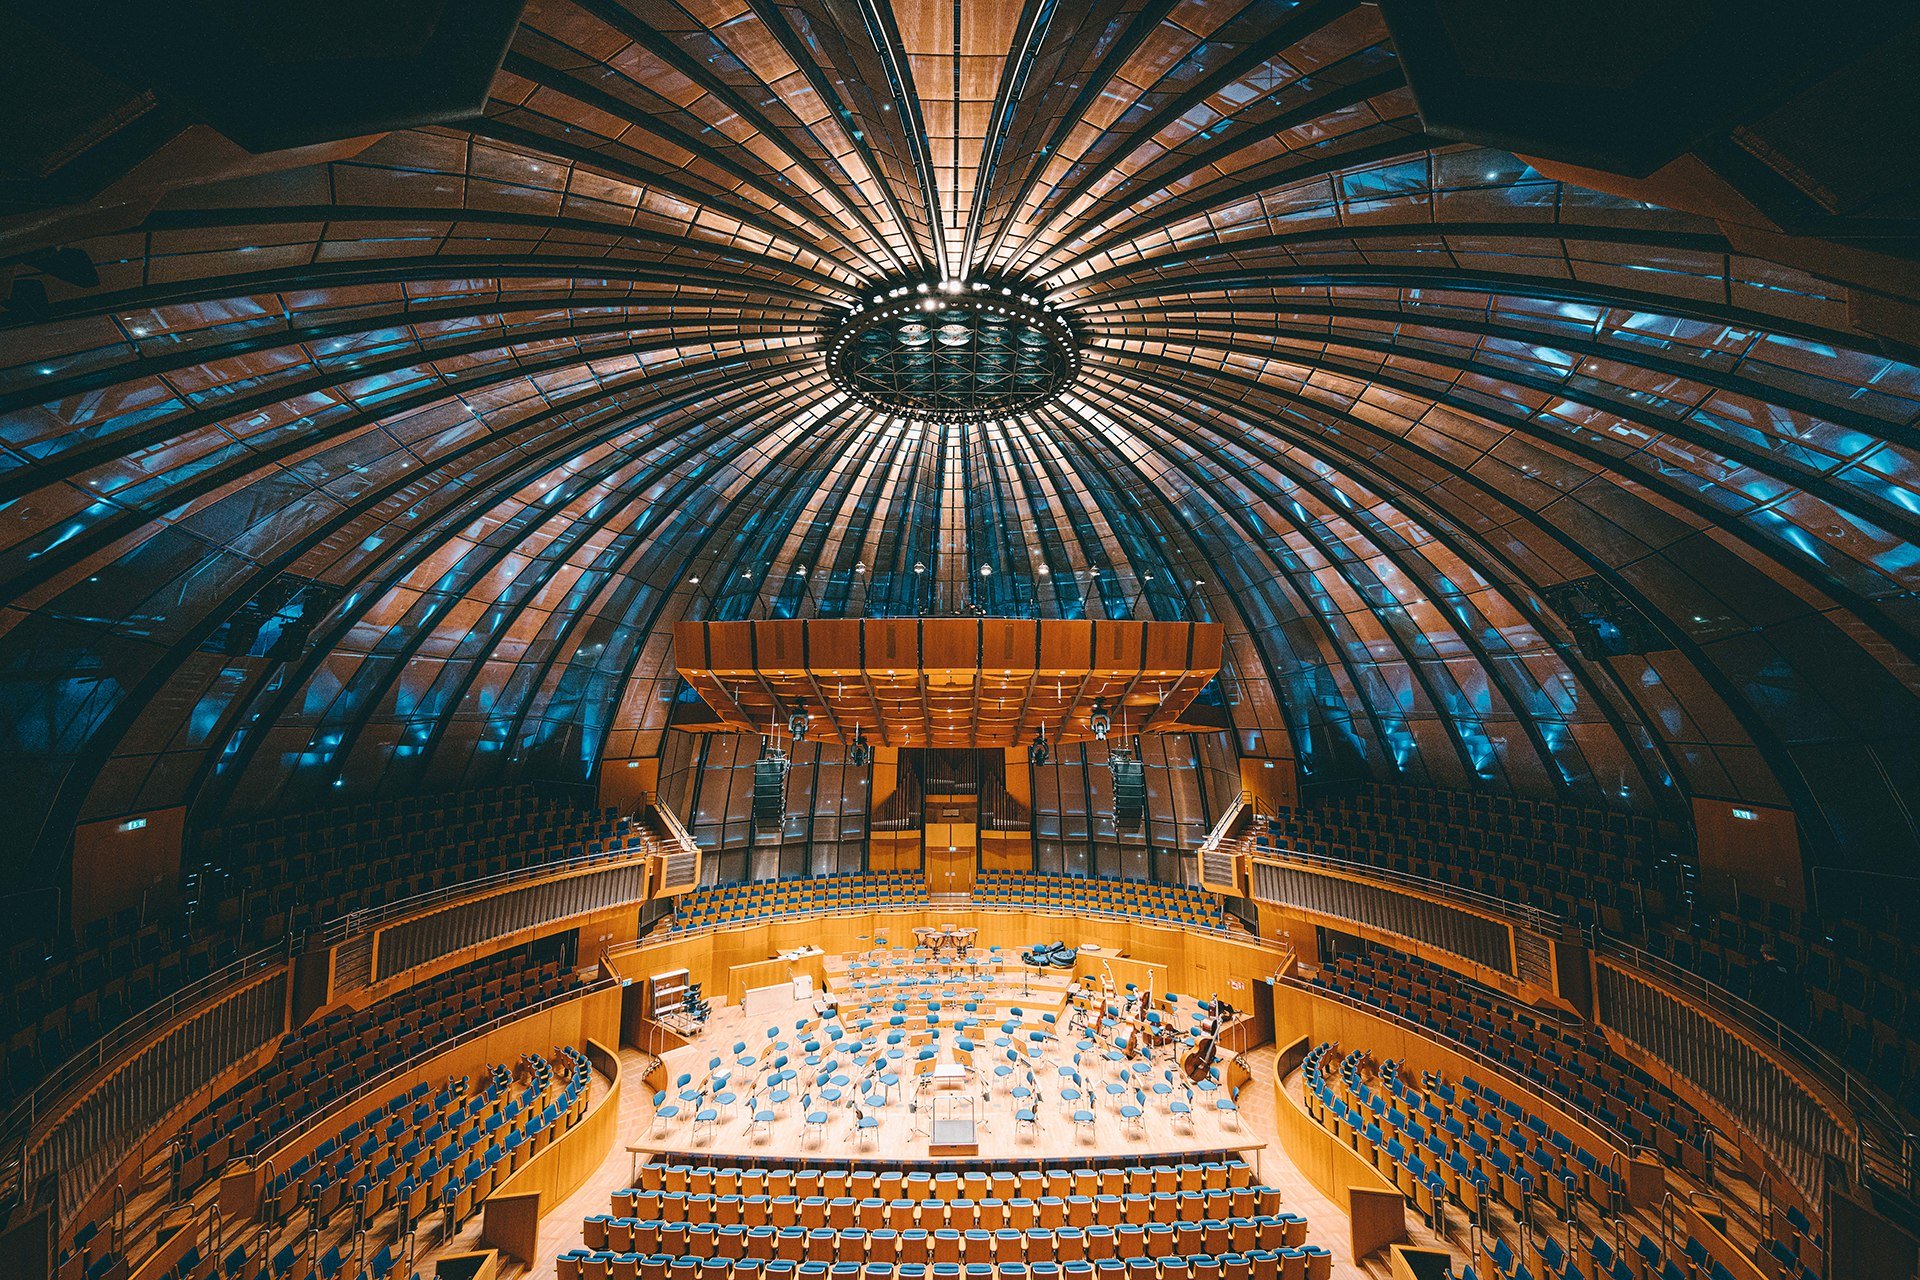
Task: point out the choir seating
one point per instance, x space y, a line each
1166 903
762 899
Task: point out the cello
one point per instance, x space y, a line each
1135 1036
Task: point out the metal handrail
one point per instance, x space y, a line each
1218 837
1017 908
1492 1065
80 1067
340 928
1883 1145
1531 917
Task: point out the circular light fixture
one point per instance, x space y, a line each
956 355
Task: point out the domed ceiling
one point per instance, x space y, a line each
388 465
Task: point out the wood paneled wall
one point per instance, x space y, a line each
1194 963
1376 1211
510 1220
1303 1014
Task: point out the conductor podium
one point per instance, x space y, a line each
954 1130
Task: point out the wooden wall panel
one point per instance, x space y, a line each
1376 1211
126 862
892 643
833 647
511 1215
1749 851
1066 648
1118 646
1008 645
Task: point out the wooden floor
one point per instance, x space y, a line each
902 1128
1252 1132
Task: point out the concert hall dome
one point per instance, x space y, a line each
368 424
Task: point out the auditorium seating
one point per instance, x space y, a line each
329 1058
764 899
1197 1220
277 876
1567 1059
1849 985
1145 900
1462 1143
1852 986
1587 865
258 881
343 1210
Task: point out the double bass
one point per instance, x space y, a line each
1134 1038
1206 1050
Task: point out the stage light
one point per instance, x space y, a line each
799 722
859 751
1100 722
1037 751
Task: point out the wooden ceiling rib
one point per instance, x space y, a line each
948 682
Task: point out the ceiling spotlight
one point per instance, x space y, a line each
1037 751
799 722
859 751
1100 722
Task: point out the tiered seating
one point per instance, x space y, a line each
1589 865
1851 986
402 1159
259 881
1141 899
1853 989
1462 1145
67 993
1567 1059
762 899
1174 1221
331 1057
280 875
1602 1260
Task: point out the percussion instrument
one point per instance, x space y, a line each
948 940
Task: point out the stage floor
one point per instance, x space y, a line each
902 1128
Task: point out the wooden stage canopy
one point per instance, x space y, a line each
949 682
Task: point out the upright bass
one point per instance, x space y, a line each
1206 1049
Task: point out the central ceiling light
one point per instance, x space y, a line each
953 351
